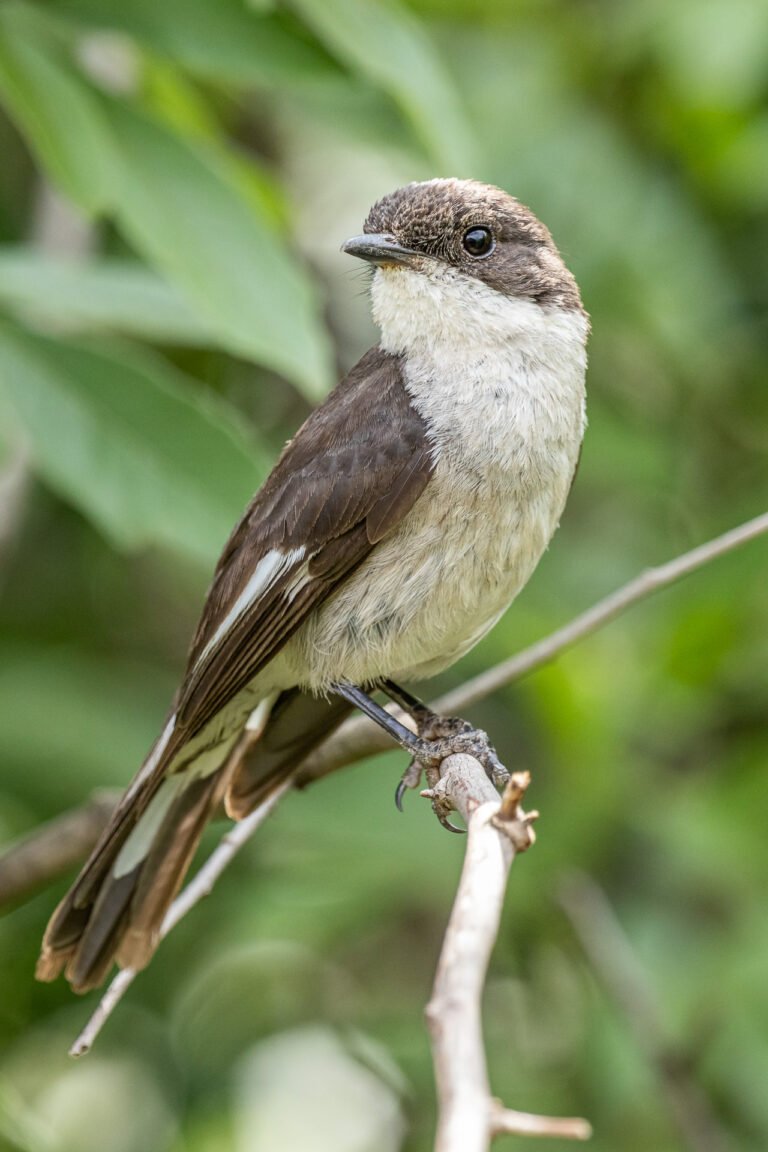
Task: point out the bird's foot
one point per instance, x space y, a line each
436 738
444 736
440 737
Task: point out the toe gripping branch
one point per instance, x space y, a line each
436 738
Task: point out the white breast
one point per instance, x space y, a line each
503 399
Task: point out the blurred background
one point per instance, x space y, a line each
176 179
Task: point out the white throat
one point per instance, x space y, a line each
444 312
477 361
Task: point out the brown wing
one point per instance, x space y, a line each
347 478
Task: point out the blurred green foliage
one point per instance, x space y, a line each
176 179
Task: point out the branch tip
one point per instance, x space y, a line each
513 795
508 1121
510 819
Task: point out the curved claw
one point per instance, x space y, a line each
450 827
409 779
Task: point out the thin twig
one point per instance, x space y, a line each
359 737
53 848
468 1116
620 972
194 892
607 609
508 1121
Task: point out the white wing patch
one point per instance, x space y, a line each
269 569
138 843
207 761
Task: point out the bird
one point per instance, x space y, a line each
396 527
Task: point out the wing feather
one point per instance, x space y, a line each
345 481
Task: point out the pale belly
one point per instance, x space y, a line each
429 592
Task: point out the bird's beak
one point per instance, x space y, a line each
378 248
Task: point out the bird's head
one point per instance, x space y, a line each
456 254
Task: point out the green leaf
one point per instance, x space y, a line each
180 207
222 40
172 99
386 44
185 205
149 458
54 110
113 295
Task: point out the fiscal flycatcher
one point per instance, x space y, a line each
397 526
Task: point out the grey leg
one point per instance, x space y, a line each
438 737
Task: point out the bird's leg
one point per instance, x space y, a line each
425 718
432 727
438 737
415 708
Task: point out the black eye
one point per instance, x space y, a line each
478 241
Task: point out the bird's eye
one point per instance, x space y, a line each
478 241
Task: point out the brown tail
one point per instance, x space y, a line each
116 907
116 912
297 724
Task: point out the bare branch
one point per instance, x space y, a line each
618 969
507 1121
359 737
194 892
607 609
498 828
53 848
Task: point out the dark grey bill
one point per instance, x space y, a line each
378 248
